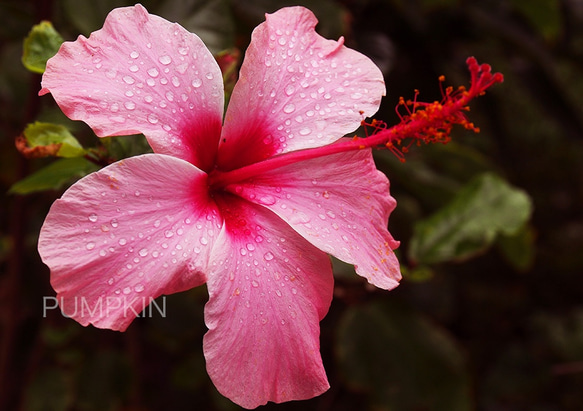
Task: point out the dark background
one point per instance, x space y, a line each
499 330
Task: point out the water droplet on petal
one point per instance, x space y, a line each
152 118
143 252
134 54
209 75
165 60
122 241
139 288
153 72
268 255
129 80
90 245
130 105
289 108
127 290
93 217
114 223
168 234
196 83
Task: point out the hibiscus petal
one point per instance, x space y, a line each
296 90
341 204
142 74
268 289
118 238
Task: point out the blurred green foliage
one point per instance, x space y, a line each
489 314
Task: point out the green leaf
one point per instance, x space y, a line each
518 248
483 209
401 360
54 176
41 44
45 134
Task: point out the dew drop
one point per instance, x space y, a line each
130 105
268 256
259 239
127 290
139 288
129 80
134 68
254 283
289 90
153 72
290 108
209 75
305 131
204 241
196 83
152 118
90 245
114 223
122 241
93 218
103 253
165 60
143 252
356 96
134 54
175 81
168 233
110 281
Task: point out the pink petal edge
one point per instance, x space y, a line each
268 290
127 234
142 74
296 90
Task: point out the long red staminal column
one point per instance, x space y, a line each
422 122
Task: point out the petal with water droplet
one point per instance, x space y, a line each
341 204
126 64
88 264
297 87
267 334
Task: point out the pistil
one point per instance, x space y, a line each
422 122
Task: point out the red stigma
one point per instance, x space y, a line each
433 122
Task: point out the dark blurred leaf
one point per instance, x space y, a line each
518 248
486 207
48 392
54 176
89 15
544 15
401 360
42 43
209 19
103 382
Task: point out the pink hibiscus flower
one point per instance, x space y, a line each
251 206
